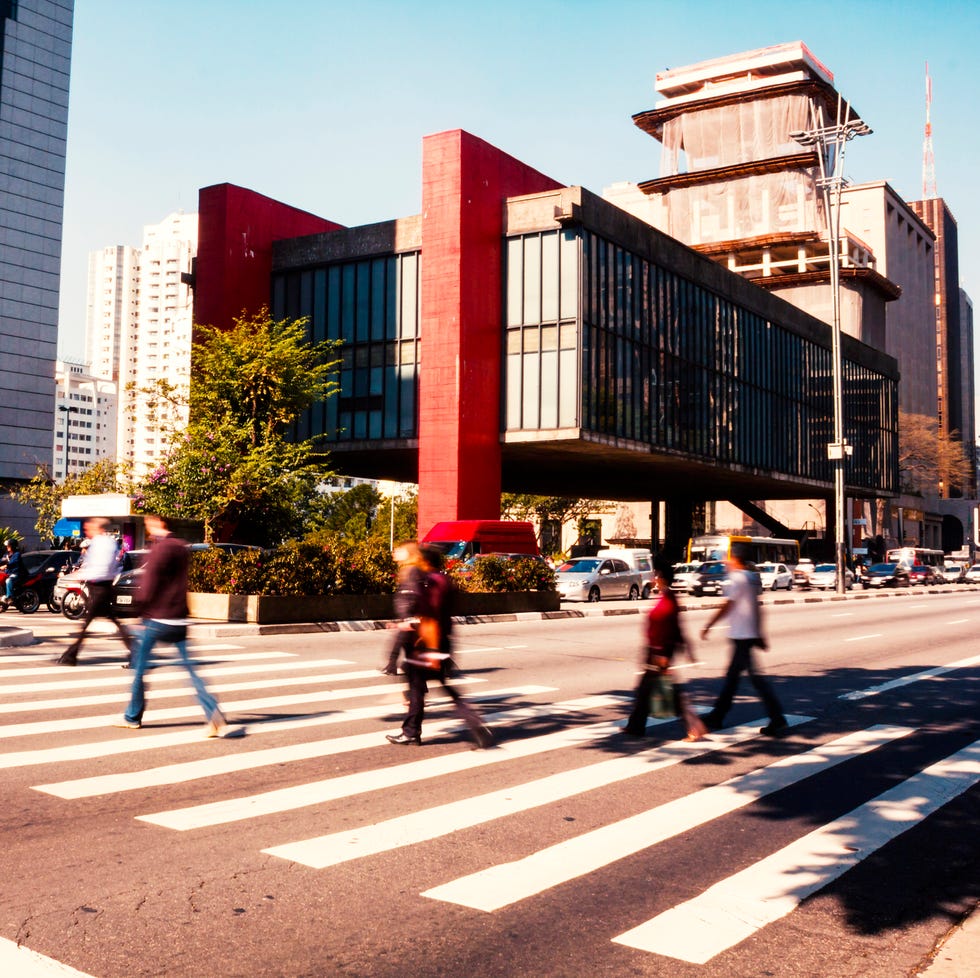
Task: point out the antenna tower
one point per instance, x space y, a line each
928 159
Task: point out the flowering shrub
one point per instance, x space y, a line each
494 573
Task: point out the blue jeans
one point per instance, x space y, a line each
153 633
10 583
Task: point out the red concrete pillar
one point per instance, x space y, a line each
465 182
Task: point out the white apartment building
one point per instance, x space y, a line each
85 419
112 307
139 329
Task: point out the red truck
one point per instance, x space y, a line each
460 539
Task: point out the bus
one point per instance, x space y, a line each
759 550
917 555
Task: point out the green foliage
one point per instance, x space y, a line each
494 574
8 533
234 468
44 495
319 564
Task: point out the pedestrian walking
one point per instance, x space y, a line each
162 601
424 601
98 568
743 611
663 637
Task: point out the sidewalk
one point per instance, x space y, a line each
958 954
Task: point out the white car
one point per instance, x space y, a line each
686 576
952 573
775 576
972 574
824 577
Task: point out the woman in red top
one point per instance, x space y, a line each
663 637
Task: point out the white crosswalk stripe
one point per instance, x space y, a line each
507 883
734 909
433 823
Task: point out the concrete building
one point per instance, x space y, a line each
35 57
85 419
139 331
737 185
112 307
526 336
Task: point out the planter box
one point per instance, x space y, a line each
264 609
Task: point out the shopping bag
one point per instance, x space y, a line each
662 697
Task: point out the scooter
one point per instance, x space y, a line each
74 600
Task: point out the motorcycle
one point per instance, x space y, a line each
74 598
27 596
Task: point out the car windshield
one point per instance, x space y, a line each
824 569
712 568
584 566
883 568
766 568
685 568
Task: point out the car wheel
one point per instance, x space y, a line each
594 595
646 592
789 584
634 592
28 601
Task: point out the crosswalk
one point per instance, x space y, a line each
338 709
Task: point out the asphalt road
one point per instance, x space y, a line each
311 847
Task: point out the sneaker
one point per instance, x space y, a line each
775 728
217 726
128 724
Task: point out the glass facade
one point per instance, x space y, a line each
372 306
665 362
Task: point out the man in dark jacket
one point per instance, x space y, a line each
162 601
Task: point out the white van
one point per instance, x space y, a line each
638 560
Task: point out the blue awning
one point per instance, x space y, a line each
67 528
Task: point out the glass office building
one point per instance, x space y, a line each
618 346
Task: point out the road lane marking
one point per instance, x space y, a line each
507 883
180 713
247 760
861 638
843 614
462 650
52 669
860 694
157 674
737 907
18 961
147 740
67 702
337 847
958 621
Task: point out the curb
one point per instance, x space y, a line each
216 629
11 636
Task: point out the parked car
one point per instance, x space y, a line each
595 578
712 575
972 574
775 576
686 576
888 575
924 574
824 577
953 573
802 572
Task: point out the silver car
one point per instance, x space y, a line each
824 577
595 578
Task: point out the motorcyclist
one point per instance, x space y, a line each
13 562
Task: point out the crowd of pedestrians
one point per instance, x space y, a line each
422 645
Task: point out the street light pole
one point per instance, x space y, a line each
67 409
830 142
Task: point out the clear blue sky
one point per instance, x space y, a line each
323 104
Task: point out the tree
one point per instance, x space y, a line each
235 468
930 461
562 509
44 495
